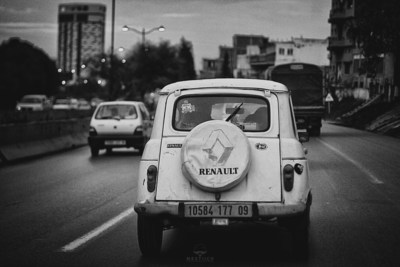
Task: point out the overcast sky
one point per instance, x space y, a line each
206 23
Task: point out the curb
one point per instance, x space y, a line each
24 150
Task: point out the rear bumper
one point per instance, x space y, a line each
260 210
130 141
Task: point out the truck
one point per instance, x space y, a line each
305 83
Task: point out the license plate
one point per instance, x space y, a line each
115 142
219 210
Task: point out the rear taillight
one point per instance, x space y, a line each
138 131
92 131
151 178
288 177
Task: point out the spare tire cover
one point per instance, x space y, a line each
215 156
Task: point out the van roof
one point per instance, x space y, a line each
119 102
35 96
247 84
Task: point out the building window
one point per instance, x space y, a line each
349 3
211 64
347 67
290 51
82 18
281 51
65 18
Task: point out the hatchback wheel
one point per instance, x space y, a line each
94 150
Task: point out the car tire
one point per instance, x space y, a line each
298 227
315 131
141 148
94 151
150 233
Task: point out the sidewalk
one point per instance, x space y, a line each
374 116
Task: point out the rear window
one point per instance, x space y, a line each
125 112
249 113
62 102
29 99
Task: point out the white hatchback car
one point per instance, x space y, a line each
34 103
222 151
119 124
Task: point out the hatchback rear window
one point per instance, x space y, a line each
127 112
31 100
251 114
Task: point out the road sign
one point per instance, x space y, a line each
329 98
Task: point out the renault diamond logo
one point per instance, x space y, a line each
218 147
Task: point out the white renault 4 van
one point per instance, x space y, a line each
223 151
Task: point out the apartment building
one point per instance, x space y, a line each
251 55
342 46
213 67
347 68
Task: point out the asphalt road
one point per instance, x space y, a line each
69 209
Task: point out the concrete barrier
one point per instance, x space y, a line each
24 140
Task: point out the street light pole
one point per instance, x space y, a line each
111 91
143 32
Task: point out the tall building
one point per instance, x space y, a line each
81 34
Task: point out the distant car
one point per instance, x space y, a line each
83 104
65 103
119 124
95 101
34 103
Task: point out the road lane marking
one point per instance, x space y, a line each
371 177
97 231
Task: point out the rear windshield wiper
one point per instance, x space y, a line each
234 112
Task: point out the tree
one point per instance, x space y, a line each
226 70
186 62
25 69
377 30
147 67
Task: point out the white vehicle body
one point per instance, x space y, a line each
34 103
119 124
83 104
221 171
65 104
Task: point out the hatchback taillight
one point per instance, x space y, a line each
151 178
92 131
288 177
138 131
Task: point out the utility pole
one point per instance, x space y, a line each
111 88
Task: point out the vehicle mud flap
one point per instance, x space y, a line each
298 227
150 233
255 210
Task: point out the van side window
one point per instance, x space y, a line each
144 112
